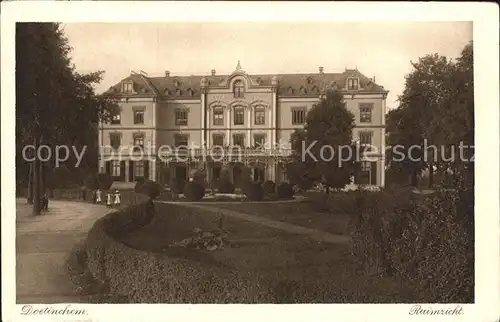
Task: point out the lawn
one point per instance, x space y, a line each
297 213
298 269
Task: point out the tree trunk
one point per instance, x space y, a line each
36 182
431 175
30 185
42 178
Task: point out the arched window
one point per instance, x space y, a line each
239 89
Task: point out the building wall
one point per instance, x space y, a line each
224 98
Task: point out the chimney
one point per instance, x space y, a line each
321 70
213 72
374 79
167 73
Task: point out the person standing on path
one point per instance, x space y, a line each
98 196
117 198
108 200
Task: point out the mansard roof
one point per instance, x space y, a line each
289 85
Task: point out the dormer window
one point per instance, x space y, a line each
303 90
352 83
190 92
179 92
239 89
176 83
128 87
290 90
167 92
315 89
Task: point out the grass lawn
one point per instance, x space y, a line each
297 213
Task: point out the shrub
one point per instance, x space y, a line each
426 241
269 187
253 191
285 191
105 181
224 185
150 189
176 185
193 191
138 186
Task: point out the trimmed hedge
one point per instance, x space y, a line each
176 185
150 189
269 187
426 241
194 191
224 185
146 277
285 191
253 191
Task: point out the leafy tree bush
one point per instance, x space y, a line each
105 181
328 123
269 187
150 189
253 191
193 191
244 178
176 185
285 191
224 185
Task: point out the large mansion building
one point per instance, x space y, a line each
255 112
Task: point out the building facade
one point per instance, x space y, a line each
169 125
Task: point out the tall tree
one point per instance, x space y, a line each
320 150
437 106
54 104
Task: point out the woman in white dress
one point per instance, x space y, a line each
117 198
108 200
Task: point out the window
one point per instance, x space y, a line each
260 116
239 116
218 117
139 168
181 140
298 116
239 89
218 140
115 168
259 140
352 83
115 140
181 117
365 138
116 119
238 140
365 112
139 116
138 142
128 87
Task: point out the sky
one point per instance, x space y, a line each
380 50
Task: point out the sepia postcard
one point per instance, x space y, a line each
333 161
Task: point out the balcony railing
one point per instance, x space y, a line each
225 152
